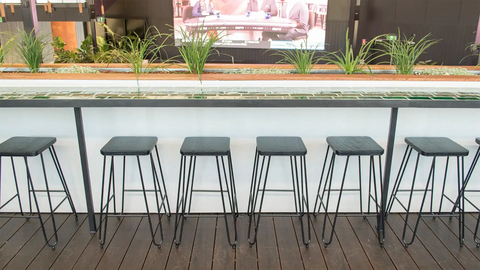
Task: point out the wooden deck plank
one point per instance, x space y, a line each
92 252
418 252
312 256
369 241
357 259
138 249
157 257
471 221
75 248
180 257
436 244
18 240
287 242
448 236
202 253
224 254
396 251
245 256
267 249
333 254
47 256
33 247
435 247
4 221
10 228
115 253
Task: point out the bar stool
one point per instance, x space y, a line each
135 147
349 146
193 147
294 148
462 197
26 147
430 147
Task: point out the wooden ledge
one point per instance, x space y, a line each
236 77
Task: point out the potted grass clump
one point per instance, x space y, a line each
31 47
405 52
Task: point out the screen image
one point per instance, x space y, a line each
262 24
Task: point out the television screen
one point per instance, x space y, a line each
263 24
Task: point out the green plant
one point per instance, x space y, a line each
473 48
30 47
137 50
303 58
5 48
404 53
61 55
196 46
445 71
348 61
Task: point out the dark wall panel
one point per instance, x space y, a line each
469 12
410 11
379 11
452 21
443 11
335 35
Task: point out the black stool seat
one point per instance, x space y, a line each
354 146
205 146
477 140
129 146
25 146
436 146
281 146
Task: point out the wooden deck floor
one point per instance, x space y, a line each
204 246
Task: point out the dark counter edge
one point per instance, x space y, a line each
273 103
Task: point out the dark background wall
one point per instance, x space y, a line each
159 13
453 21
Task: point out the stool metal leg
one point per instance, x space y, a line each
42 224
165 203
398 180
256 191
326 216
102 231
230 196
253 183
152 231
419 215
303 198
232 184
17 195
319 198
183 187
56 162
467 179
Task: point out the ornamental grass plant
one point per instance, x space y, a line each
302 59
348 61
197 46
405 52
30 47
139 53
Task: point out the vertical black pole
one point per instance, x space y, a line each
386 175
85 170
